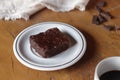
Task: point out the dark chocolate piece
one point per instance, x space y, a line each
109 27
98 19
106 15
101 4
50 42
103 16
101 19
117 28
95 20
99 9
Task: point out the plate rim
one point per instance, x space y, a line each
50 68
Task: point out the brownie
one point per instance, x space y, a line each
49 43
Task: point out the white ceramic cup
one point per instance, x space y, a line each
108 64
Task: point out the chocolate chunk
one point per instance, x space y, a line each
101 4
98 19
101 19
103 13
109 27
102 16
117 27
95 20
106 15
99 9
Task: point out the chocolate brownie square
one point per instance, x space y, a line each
50 42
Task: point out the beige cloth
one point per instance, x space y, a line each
16 9
65 5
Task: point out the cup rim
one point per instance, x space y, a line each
97 66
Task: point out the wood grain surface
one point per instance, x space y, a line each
101 43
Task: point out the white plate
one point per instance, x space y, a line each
26 56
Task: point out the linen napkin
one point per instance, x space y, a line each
65 5
16 9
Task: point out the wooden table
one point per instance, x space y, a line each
100 44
